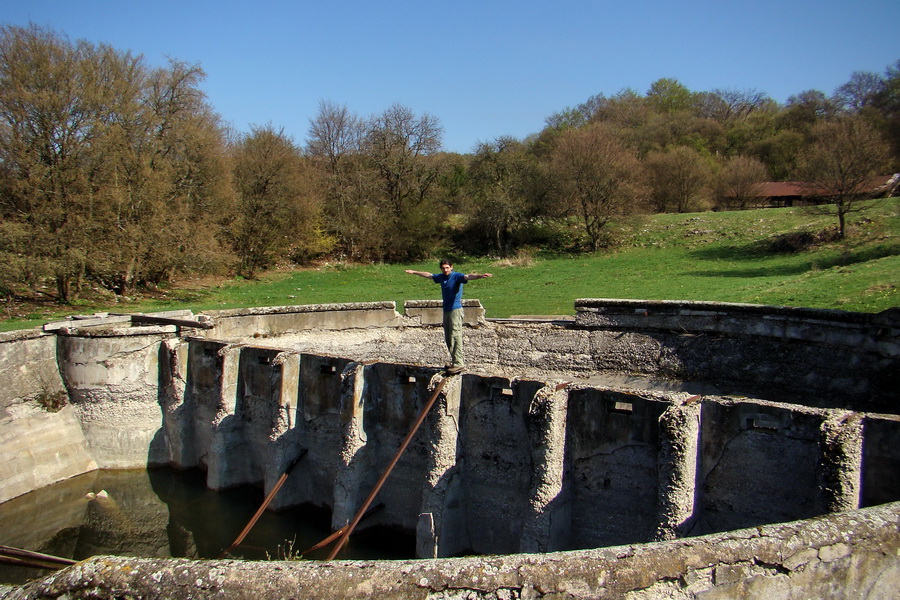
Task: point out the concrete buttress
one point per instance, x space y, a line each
679 441
439 526
547 524
348 494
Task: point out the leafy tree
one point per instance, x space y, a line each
497 180
669 95
167 179
679 179
569 118
598 176
49 120
112 171
738 183
840 163
706 136
276 208
451 188
805 109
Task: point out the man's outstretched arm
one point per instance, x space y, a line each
472 276
419 273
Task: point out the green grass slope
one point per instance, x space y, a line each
769 256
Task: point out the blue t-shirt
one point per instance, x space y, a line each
451 289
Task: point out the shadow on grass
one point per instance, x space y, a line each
785 262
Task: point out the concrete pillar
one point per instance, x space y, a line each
439 531
679 431
840 465
548 524
220 470
173 374
285 446
351 473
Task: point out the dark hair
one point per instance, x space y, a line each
445 262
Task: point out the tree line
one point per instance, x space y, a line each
117 174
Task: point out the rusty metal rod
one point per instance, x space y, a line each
28 558
339 532
265 504
345 536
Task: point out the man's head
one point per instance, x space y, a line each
446 266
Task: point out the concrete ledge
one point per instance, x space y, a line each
21 334
431 312
279 320
878 333
855 552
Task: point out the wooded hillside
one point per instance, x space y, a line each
118 174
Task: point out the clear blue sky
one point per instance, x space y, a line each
484 68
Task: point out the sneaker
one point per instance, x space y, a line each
455 370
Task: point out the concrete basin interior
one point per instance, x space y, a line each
631 423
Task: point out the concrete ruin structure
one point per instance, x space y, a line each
637 449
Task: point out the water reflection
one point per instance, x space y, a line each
167 513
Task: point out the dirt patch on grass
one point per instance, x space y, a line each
797 241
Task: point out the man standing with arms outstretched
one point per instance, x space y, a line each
451 291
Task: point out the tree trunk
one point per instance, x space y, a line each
63 290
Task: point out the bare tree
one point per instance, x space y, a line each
396 142
598 175
738 183
859 92
335 133
840 163
334 143
398 145
727 105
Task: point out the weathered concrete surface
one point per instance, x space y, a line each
28 368
431 312
831 357
560 437
54 449
844 555
112 379
279 320
41 440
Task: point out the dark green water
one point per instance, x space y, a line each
169 513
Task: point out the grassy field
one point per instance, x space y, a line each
769 256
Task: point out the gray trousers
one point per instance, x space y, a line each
453 335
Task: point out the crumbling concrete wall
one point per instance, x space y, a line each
41 440
519 465
816 356
273 321
555 440
112 381
847 555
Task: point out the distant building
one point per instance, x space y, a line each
775 194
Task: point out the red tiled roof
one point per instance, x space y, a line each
780 189
777 189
